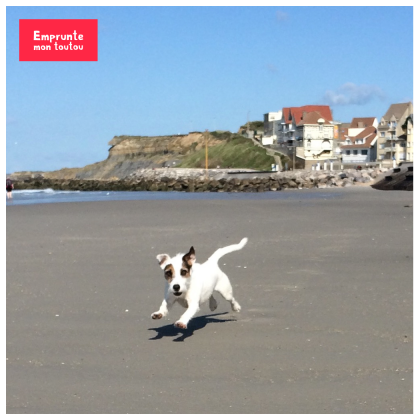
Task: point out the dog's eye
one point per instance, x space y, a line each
183 272
168 273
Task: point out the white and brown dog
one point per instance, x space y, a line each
191 284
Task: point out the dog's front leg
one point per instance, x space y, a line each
187 315
163 310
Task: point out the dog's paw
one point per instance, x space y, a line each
236 307
156 315
179 324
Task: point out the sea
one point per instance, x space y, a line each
46 196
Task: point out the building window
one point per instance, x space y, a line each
347 152
364 152
382 133
354 152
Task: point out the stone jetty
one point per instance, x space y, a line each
212 180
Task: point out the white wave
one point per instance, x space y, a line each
44 191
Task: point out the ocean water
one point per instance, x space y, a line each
27 197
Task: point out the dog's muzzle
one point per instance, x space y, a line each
176 288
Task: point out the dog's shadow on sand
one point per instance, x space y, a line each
194 325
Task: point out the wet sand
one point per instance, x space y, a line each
325 285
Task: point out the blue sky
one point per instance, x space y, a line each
169 70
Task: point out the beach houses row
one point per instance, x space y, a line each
310 135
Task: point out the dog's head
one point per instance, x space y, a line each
177 270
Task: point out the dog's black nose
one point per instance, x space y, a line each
176 287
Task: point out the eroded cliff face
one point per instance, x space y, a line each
131 153
162 145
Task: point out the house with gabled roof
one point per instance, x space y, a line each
315 138
395 140
357 125
308 131
359 145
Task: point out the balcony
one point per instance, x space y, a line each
389 149
391 137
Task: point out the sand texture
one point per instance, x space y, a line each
325 284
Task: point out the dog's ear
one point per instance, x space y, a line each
189 258
163 259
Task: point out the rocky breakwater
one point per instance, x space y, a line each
223 180
214 180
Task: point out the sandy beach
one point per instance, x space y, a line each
325 284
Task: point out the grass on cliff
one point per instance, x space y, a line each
253 125
236 152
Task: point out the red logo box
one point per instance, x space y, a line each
58 39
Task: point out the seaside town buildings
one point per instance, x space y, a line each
359 144
312 139
395 140
271 127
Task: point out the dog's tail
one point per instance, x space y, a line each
227 249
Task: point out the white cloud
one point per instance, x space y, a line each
352 94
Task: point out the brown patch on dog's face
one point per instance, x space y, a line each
169 272
189 259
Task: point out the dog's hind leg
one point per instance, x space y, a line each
224 287
212 303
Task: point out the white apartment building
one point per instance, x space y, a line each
271 127
395 135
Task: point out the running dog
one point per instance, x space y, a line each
191 284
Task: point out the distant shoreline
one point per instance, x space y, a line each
226 180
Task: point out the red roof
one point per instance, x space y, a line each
311 118
362 122
297 112
369 134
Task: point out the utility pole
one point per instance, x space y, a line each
294 154
207 154
293 149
